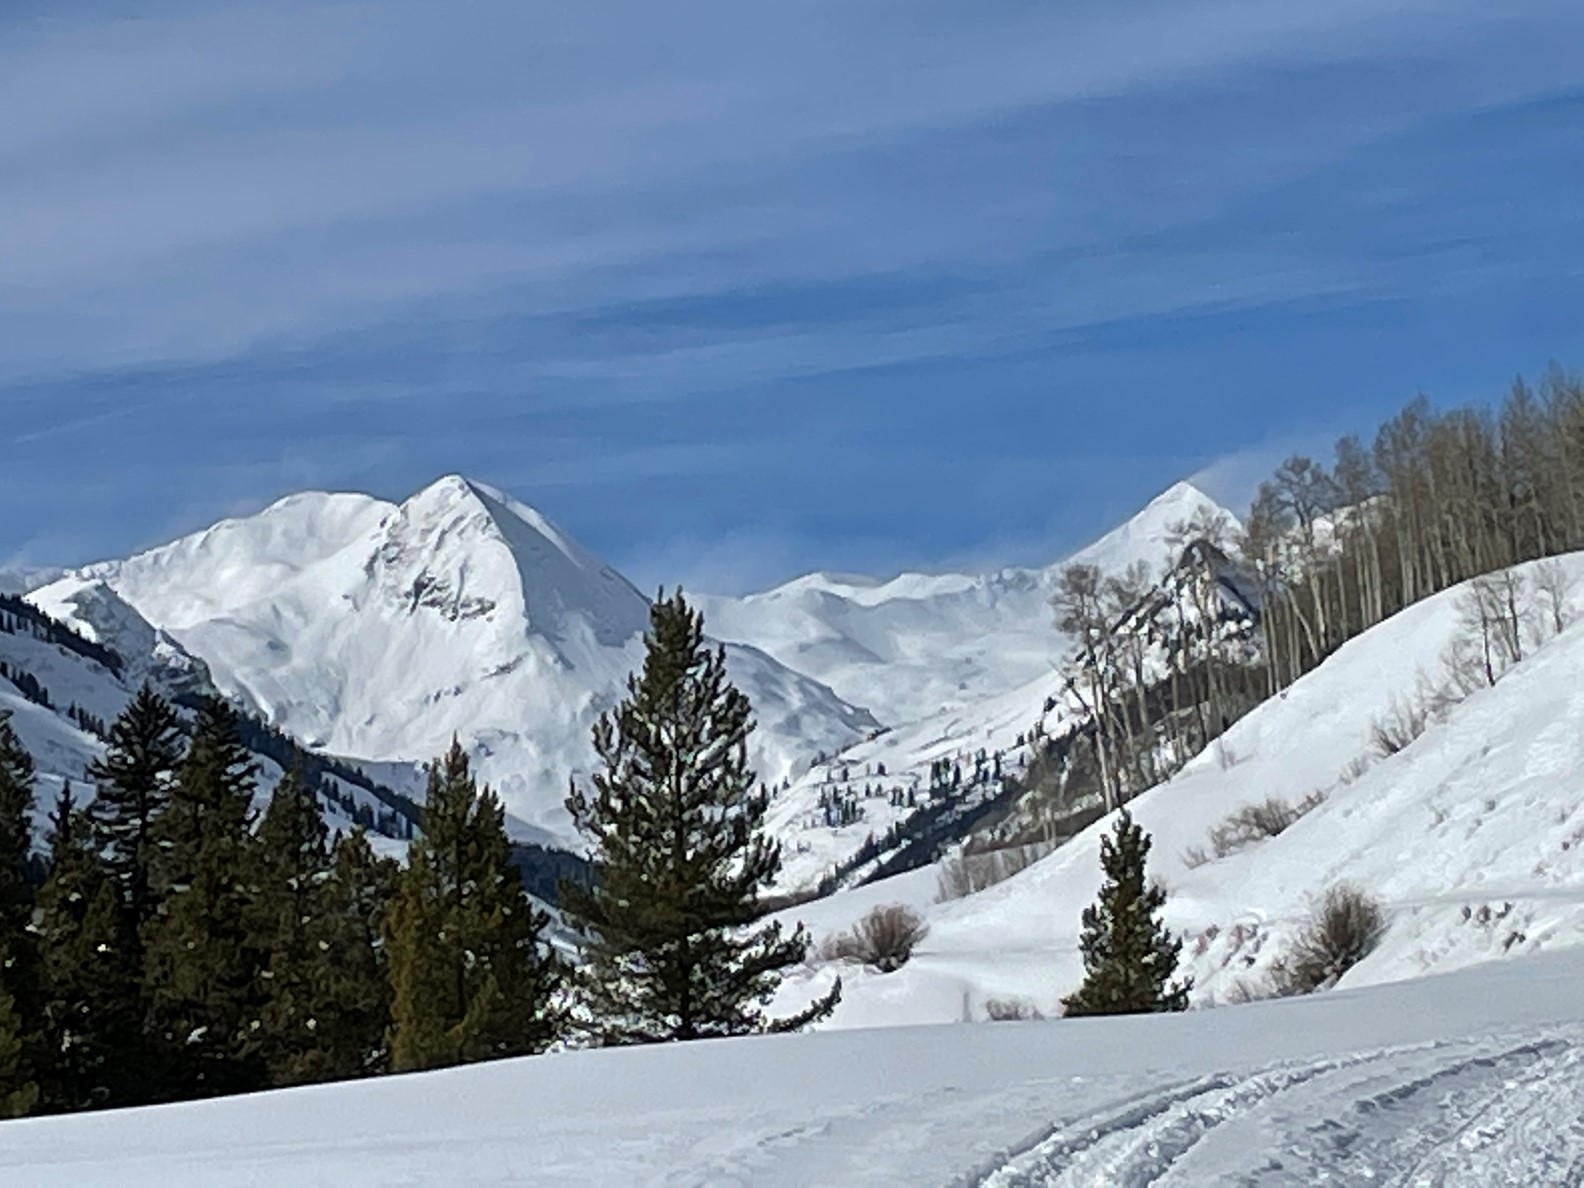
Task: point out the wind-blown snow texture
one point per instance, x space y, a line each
1473 1079
378 632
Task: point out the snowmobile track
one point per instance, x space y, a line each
1423 1117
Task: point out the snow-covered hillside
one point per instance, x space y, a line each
60 688
1472 838
378 632
921 645
890 801
1474 1079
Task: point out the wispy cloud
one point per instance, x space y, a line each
782 260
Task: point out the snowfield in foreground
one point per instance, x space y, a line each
1474 1078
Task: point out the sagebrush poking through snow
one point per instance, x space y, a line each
1343 929
882 940
1252 823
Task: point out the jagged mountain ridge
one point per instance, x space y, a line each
379 631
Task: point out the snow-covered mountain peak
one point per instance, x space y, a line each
379 631
100 615
1150 535
464 550
908 647
237 562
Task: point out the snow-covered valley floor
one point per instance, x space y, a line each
1473 1078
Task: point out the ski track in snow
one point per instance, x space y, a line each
1481 1114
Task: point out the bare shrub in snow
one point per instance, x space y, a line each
1244 991
882 940
1343 929
1398 727
1254 823
1195 856
1356 767
1011 1010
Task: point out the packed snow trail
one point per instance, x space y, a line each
1495 1112
1473 1078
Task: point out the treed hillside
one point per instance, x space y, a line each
1154 668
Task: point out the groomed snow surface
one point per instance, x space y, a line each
1474 1079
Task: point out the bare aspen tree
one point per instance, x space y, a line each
1551 586
1080 615
1122 595
1479 609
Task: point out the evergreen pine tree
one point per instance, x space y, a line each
89 975
19 1093
16 835
133 779
471 979
679 857
361 887
327 993
1129 956
202 954
294 866
18 948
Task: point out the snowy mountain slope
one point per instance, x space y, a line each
379 632
1472 838
98 613
922 644
896 815
1472 1079
72 687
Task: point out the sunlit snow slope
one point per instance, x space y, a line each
70 677
379 631
1472 838
923 644
1475 1079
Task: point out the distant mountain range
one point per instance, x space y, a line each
377 631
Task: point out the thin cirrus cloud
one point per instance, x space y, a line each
753 265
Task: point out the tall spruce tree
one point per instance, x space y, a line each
327 994
202 954
471 976
358 894
18 943
1129 956
294 865
133 781
19 1092
89 975
679 856
16 835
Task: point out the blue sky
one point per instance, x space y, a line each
737 291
